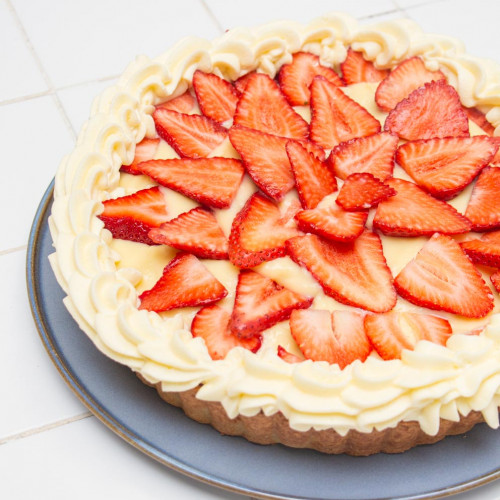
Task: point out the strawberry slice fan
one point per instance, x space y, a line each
324 230
316 227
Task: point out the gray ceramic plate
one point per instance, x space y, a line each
137 414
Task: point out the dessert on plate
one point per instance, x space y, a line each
293 233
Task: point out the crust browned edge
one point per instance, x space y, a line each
262 429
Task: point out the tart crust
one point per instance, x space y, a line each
274 429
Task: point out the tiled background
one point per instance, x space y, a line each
55 56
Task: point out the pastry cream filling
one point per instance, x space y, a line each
103 277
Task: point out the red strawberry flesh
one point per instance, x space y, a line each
412 212
288 356
336 117
313 179
192 136
266 160
392 332
362 191
402 81
445 166
217 98
442 277
211 323
144 150
131 217
373 154
484 251
185 103
337 338
210 181
332 223
295 78
483 209
196 231
356 69
354 273
433 110
263 107
260 303
259 232
185 282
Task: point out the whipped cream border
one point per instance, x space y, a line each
427 384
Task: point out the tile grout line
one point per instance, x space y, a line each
212 16
46 93
378 14
405 9
13 250
51 90
43 428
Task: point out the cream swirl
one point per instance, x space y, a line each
451 380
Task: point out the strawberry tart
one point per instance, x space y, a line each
293 233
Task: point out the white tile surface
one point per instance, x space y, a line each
83 41
475 23
35 137
33 391
108 468
21 75
77 101
49 447
245 13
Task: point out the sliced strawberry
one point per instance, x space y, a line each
356 69
495 162
211 323
336 117
362 191
484 251
265 159
288 356
394 331
402 81
217 98
192 136
483 209
242 81
442 277
338 337
263 107
131 217
373 154
445 166
413 212
259 232
210 181
430 111
479 118
260 303
332 223
295 78
354 273
144 150
185 103
313 178
495 279
185 282
196 232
